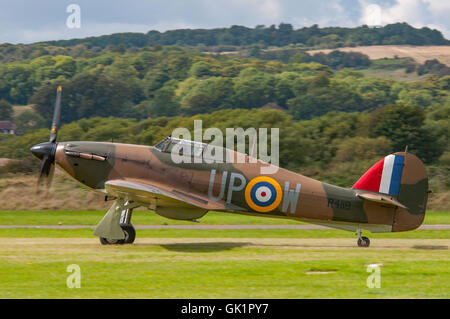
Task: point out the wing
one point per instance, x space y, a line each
142 192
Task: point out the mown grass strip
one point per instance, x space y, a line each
226 233
141 217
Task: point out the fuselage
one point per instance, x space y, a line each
233 187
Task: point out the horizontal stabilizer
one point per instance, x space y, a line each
381 198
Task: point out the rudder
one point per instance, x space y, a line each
384 177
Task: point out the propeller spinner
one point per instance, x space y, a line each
46 151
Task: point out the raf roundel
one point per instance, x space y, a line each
263 194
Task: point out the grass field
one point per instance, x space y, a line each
418 53
397 75
247 263
142 217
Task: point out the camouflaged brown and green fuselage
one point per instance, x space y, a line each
241 188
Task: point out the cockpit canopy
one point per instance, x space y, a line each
183 147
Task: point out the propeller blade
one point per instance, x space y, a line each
50 176
56 116
46 173
46 151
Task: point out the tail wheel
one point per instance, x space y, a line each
130 236
363 242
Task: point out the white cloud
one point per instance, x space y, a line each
439 7
418 13
323 13
402 10
242 12
268 10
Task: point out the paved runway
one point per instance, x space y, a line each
299 227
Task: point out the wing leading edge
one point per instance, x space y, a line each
157 196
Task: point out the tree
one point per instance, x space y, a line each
438 121
434 67
403 125
284 34
204 96
253 88
164 102
6 111
201 69
320 81
300 57
29 121
307 106
362 148
284 88
85 96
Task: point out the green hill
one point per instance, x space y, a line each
234 38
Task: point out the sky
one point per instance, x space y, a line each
27 21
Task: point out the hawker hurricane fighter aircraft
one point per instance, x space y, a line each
390 197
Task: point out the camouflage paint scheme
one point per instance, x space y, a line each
148 176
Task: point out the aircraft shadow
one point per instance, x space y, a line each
431 247
203 247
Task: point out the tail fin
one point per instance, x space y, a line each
404 177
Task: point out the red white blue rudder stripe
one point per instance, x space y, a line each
384 177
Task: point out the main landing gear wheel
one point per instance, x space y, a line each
125 224
130 236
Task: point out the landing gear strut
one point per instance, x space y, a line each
127 228
362 241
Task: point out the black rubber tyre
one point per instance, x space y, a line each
363 242
106 241
130 236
